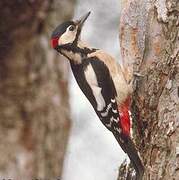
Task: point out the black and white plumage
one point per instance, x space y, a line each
94 80
102 81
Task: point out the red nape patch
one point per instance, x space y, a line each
54 42
125 118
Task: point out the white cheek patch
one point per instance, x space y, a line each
93 83
67 37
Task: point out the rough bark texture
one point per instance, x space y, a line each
34 110
150 49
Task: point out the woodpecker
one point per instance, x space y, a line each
102 81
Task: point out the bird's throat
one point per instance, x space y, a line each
72 56
76 53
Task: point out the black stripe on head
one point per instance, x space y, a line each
59 30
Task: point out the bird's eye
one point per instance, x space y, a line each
72 28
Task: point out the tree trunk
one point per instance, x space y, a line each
34 109
150 52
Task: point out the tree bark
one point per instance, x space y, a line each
34 109
149 42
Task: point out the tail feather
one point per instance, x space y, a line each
129 148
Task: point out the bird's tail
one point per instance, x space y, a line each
129 147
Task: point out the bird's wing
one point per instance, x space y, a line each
96 83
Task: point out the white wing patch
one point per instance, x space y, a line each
114 110
99 98
115 120
104 114
113 100
93 83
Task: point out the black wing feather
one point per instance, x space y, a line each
109 115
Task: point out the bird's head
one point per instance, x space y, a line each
67 32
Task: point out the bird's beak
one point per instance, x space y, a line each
81 21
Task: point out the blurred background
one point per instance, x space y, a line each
45 119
